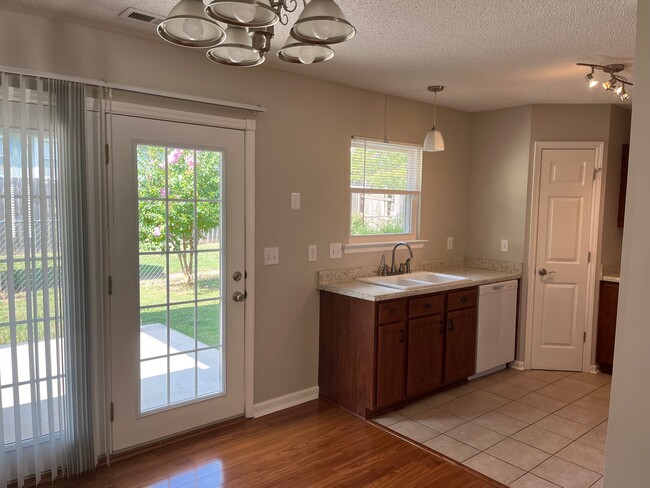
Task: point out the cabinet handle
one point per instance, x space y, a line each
442 326
401 336
427 306
451 325
393 311
463 300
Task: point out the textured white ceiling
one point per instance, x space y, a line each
489 53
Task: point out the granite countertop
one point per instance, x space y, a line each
612 277
375 293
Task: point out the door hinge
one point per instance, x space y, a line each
596 171
584 337
112 411
106 154
110 285
589 257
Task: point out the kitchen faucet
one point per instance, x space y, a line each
403 267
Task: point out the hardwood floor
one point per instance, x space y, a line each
311 445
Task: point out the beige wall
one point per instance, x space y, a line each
302 146
498 183
619 134
628 440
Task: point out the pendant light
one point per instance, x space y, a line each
322 22
434 141
236 50
187 25
243 13
295 51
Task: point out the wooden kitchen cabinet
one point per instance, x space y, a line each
460 350
607 309
391 362
377 355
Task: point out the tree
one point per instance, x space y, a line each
179 193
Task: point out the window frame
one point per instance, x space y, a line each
415 203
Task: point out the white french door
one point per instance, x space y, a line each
564 231
177 260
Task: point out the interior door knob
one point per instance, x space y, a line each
238 296
543 272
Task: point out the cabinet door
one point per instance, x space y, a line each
426 339
460 346
607 308
391 363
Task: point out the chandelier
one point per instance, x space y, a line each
245 38
616 83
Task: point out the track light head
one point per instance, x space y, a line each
591 81
610 85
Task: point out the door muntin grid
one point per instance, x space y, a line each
180 259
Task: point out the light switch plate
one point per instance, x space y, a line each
336 250
271 256
312 252
295 201
450 243
504 245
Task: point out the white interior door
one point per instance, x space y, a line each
563 239
177 259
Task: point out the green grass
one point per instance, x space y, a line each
152 292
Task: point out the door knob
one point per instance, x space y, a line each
239 296
543 272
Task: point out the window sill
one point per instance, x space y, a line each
379 246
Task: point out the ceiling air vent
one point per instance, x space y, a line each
141 16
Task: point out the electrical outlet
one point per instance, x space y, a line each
450 243
271 256
504 245
312 252
336 250
295 201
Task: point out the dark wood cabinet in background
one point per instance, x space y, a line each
607 309
378 355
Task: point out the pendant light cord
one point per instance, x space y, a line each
435 108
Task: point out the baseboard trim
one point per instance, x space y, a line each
518 365
286 401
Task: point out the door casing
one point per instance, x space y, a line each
594 237
249 128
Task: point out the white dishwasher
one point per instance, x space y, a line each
497 322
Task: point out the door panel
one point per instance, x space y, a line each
426 340
177 237
560 288
391 363
460 346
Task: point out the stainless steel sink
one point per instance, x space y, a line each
412 281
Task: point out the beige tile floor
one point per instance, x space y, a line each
526 429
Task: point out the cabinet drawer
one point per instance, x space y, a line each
462 299
420 307
390 312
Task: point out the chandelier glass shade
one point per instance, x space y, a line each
236 50
188 25
322 22
295 51
616 82
245 39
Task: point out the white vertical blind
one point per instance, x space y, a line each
45 419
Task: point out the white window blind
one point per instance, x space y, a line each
385 183
384 166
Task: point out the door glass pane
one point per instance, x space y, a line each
180 212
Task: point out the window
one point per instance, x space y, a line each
385 184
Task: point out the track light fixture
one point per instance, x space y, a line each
245 38
616 82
